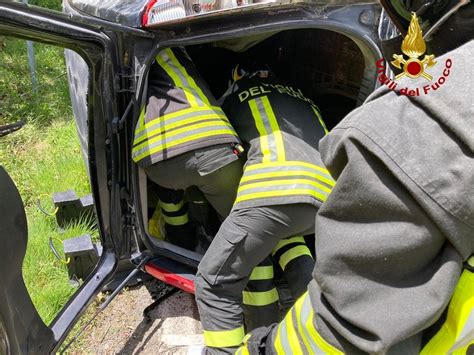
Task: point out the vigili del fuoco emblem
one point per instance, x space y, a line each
414 46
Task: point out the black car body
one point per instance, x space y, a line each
328 49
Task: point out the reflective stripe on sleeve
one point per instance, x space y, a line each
141 120
315 337
457 332
299 323
243 350
165 61
224 338
190 81
293 339
296 334
194 95
260 298
262 273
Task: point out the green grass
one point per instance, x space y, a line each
17 100
42 158
50 4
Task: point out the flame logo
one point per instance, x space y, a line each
414 46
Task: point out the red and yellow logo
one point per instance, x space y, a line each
414 46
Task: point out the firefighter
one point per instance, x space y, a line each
283 184
394 266
183 138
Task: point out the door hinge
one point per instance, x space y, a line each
125 80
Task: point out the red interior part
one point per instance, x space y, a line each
170 278
147 10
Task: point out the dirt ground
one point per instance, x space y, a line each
173 326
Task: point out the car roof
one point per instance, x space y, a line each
125 12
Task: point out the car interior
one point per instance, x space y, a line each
327 66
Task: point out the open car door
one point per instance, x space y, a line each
21 328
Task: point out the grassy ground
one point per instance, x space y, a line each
42 158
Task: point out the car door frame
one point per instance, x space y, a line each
93 39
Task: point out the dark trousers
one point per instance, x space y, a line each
244 240
215 170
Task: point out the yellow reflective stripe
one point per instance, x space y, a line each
286 173
275 129
168 135
318 339
171 207
262 273
281 193
260 298
141 120
224 338
176 79
286 163
470 261
176 220
298 306
316 112
219 119
286 241
261 131
178 113
181 141
190 79
459 309
277 343
293 253
291 333
284 182
243 350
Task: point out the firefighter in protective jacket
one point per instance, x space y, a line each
395 239
183 138
283 184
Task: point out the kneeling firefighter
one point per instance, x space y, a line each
182 139
283 184
394 267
